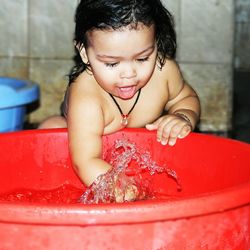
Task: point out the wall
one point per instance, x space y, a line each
36 43
242 35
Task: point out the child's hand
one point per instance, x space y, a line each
170 127
129 194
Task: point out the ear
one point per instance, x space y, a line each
82 51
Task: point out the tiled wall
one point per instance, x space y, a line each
205 53
36 43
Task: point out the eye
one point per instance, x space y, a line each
143 59
111 65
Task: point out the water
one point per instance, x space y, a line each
121 183
64 194
125 182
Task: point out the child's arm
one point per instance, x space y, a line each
183 108
85 129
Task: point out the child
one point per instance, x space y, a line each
126 77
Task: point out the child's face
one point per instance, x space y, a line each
122 61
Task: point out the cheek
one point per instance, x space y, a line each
147 71
104 77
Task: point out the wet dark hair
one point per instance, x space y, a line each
116 14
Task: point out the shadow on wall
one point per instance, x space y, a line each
241 114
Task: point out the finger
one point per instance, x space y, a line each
173 137
131 193
164 130
118 195
151 126
184 132
174 133
178 131
154 125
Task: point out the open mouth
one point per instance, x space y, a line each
126 92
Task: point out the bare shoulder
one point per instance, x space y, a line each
84 88
84 82
85 106
85 101
174 78
171 68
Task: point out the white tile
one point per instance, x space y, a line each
207 29
14 67
51 28
13 27
51 75
213 84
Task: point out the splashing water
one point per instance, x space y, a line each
120 184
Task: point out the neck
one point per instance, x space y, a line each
124 120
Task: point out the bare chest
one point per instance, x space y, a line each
145 110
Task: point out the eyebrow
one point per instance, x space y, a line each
137 54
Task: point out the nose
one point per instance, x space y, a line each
128 71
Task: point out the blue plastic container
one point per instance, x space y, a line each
15 94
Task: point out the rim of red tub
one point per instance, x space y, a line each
132 212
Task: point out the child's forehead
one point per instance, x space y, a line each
125 41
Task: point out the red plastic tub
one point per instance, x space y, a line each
211 212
